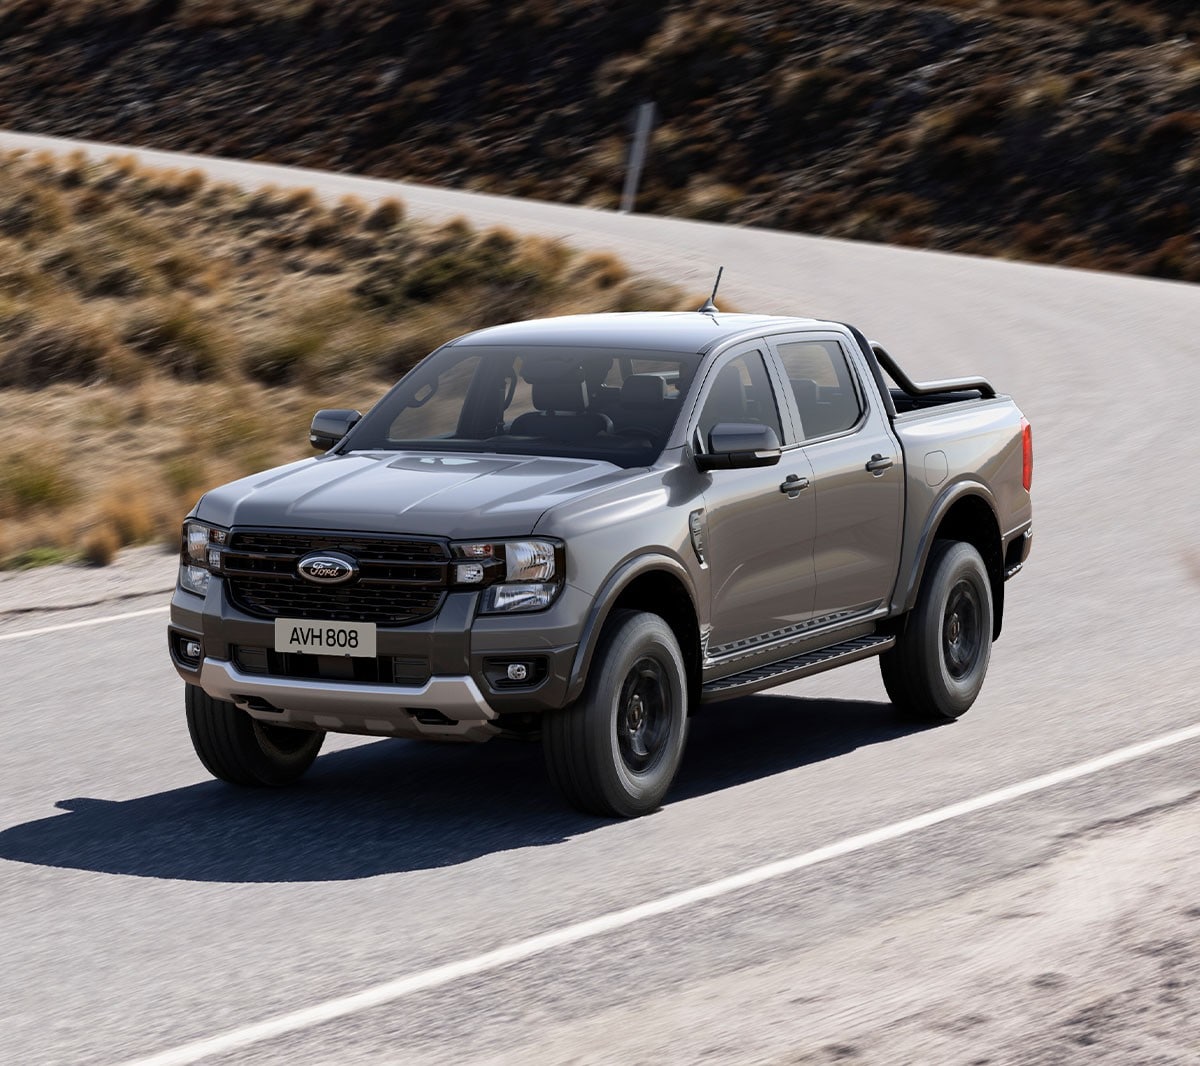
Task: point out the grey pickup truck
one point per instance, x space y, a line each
584 529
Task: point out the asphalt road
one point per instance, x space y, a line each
145 907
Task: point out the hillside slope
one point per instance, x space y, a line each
1058 130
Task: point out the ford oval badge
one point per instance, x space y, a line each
327 568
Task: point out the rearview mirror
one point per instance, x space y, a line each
738 445
329 427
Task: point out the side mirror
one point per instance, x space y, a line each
329 427
738 445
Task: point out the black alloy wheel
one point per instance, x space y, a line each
961 630
644 717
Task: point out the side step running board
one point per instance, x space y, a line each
813 662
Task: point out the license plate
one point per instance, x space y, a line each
325 638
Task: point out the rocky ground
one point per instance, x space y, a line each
1055 130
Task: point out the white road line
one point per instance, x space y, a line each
389 991
103 620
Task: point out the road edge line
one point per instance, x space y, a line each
62 626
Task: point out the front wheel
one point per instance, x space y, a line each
937 666
242 750
617 750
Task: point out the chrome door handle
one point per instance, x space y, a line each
792 485
879 463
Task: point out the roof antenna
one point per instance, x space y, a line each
710 308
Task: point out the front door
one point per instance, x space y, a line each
759 522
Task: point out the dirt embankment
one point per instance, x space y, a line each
160 333
1058 130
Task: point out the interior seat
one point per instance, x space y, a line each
561 413
644 405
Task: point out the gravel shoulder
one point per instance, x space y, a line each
53 594
1090 956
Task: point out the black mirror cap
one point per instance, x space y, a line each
329 427
738 446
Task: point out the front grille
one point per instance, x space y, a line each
401 579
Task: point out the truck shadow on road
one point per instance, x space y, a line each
397 806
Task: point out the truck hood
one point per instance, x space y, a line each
432 494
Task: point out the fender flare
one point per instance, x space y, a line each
906 597
616 583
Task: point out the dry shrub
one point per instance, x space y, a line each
284 355
642 294
74 348
349 211
128 510
387 215
175 335
1177 128
33 481
99 545
91 263
305 199
186 474
28 211
600 269
710 200
271 202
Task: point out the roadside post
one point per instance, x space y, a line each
643 123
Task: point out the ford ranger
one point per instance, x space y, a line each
586 528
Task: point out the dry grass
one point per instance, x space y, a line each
160 335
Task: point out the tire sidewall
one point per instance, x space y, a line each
635 637
954 563
277 765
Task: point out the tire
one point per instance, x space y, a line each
243 751
937 666
617 750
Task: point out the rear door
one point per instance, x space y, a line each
858 474
759 523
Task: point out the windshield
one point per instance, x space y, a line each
582 403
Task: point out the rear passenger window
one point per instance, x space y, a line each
823 386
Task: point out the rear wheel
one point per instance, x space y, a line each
937 667
617 750
243 751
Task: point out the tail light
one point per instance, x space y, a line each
1026 454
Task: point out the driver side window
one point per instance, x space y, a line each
740 392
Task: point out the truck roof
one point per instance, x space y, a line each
662 331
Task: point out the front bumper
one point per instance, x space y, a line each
456 695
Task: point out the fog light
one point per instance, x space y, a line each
517 671
191 649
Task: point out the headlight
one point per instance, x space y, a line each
200 555
516 575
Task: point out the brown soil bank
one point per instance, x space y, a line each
1059 130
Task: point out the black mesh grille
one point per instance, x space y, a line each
386 669
401 579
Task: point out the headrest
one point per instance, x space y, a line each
643 389
560 395
805 391
551 370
